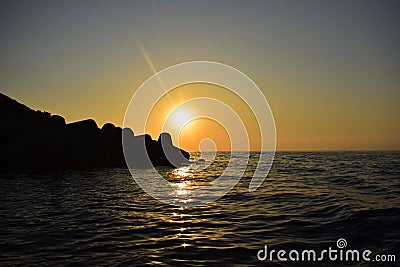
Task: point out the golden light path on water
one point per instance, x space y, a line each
179 218
184 181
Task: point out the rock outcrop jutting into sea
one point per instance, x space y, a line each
38 140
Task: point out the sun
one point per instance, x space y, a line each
180 117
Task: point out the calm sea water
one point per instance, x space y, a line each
102 217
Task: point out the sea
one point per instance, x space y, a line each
310 201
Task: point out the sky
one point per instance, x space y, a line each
328 69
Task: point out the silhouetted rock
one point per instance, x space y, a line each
84 126
38 140
165 139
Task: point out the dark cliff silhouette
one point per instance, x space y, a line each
38 140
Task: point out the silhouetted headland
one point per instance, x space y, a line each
39 140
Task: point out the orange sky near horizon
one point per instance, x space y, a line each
190 136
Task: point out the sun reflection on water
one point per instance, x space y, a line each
181 172
181 216
182 186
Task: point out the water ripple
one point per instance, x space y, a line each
101 217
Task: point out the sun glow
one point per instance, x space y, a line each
180 117
187 120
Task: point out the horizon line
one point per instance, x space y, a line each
338 150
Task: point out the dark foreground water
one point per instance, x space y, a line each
101 217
